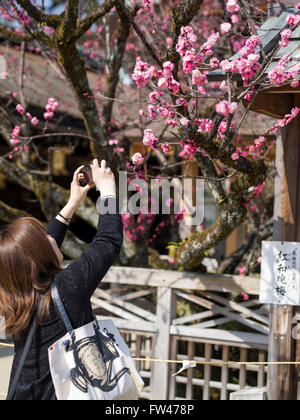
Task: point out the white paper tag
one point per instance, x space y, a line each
187 364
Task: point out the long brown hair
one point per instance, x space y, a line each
28 265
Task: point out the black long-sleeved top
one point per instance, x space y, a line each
76 284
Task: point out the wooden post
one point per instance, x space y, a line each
160 372
282 380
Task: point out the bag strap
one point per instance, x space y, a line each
28 343
60 309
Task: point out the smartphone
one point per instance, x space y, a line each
88 175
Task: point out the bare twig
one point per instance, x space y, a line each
140 33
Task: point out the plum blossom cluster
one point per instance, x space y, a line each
186 47
189 150
254 192
287 119
15 134
166 78
280 74
20 109
158 230
233 9
15 141
186 41
117 149
249 149
207 47
136 230
247 64
262 140
223 128
143 73
199 79
286 34
149 9
294 19
162 109
20 14
204 125
148 5
258 189
150 140
51 107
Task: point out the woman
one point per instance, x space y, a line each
30 261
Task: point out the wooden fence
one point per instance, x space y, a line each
213 328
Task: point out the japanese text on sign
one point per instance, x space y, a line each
280 273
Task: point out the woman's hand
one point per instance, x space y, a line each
78 193
104 179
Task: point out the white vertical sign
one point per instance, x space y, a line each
280 273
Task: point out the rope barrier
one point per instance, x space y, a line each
6 345
216 363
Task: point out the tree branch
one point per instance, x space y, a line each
72 247
96 14
232 214
69 19
74 65
9 214
14 36
38 15
115 66
32 36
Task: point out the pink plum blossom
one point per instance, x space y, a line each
198 78
285 37
235 156
20 109
166 148
149 138
184 121
225 28
225 108
168 69
34 121
154 97
233 6
137 159
242 271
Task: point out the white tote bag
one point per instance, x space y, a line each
92 362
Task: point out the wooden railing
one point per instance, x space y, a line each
217 330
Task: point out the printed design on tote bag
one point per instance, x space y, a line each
94 357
